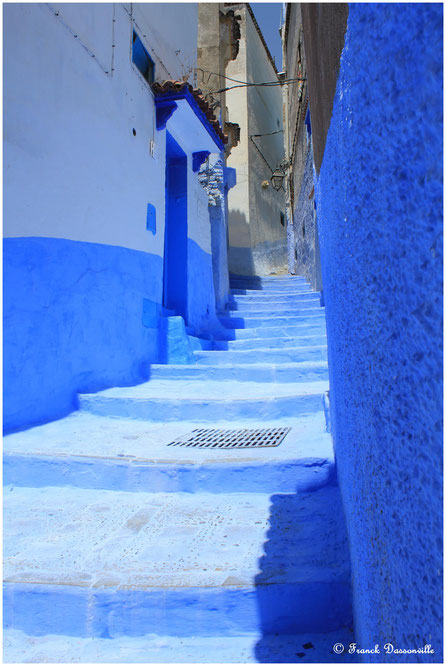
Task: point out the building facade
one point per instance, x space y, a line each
106 220
233 53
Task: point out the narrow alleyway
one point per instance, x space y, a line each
126 543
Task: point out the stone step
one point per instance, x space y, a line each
309 297
236 321
307 371
207 401
262 355
108 563
88 451
277 283
272 291
315 327
309 648
298 310
271 343
267 309
279 279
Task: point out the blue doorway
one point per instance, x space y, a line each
175 234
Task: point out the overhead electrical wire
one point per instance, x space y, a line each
266 84
243 84
267 133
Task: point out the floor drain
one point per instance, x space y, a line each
233 439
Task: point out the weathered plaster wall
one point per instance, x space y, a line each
82 160
305 229
379 201
304 254
265 110
257 240
217 180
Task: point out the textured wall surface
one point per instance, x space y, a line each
73 317
305 241
212 179
380 213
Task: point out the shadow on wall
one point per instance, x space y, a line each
240 258
303 588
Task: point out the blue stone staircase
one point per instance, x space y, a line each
120 547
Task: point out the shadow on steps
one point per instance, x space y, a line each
303 588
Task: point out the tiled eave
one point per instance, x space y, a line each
168 92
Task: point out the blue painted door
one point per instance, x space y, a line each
175 236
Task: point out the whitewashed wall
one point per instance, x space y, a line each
60 103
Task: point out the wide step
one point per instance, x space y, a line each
307 371
264 300
254 310
272 343
281 355
309 648
88 451
164 400
108 563
235 320
317 327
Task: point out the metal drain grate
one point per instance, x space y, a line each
233 439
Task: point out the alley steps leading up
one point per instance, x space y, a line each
131 547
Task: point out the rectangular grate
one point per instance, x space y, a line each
233 439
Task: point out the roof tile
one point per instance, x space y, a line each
169 86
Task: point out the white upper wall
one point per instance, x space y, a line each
237 104
73 167
172 32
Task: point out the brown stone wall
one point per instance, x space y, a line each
324 26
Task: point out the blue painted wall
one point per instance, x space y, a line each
73 321
201 306
379 200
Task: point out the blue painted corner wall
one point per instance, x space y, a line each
75 319
379 199
201 305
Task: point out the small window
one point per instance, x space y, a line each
282 218
142 59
